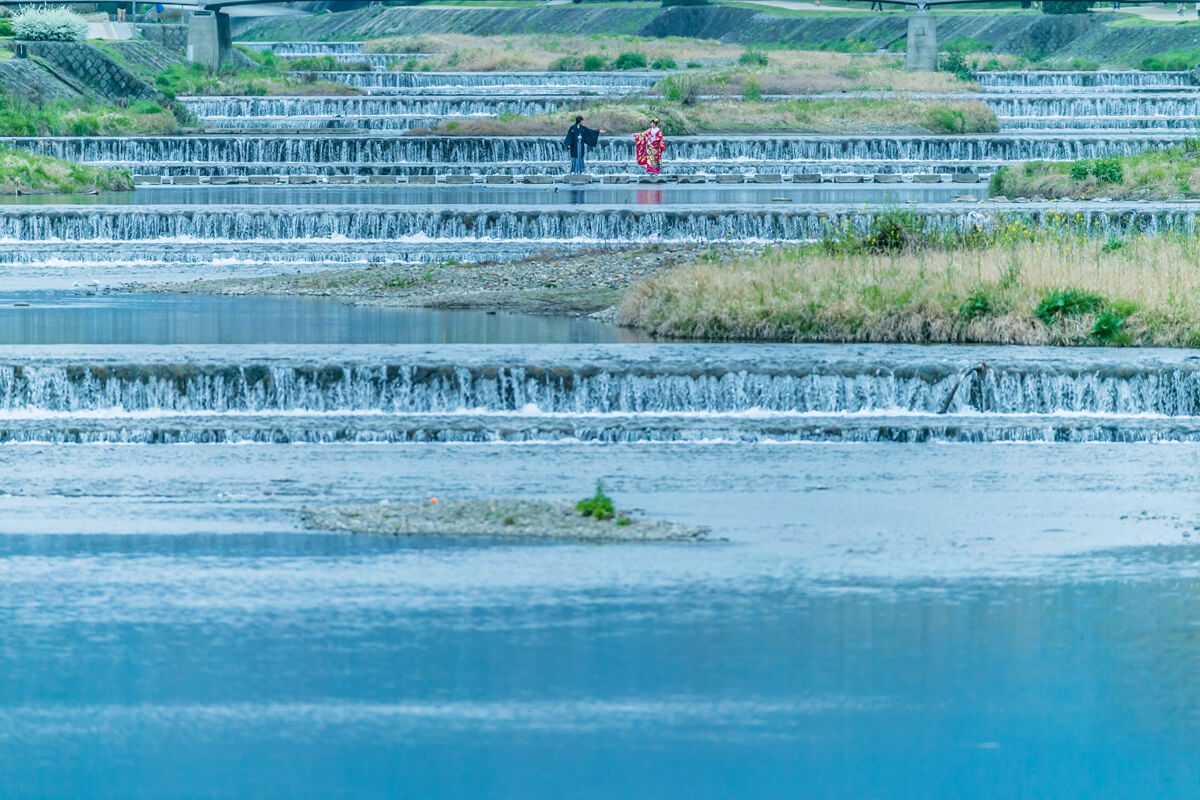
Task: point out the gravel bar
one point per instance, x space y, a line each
509 519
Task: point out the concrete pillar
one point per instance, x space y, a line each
224 39
203 45
209 39
922 42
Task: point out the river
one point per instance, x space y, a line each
933 572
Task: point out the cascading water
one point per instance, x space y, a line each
301 153
368 113
1011 80
599 224
660 393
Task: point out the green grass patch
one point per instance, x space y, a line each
28 173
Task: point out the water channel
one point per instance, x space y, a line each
936 571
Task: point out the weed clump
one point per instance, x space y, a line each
663 63
1063 303
630 61
598 506
753 58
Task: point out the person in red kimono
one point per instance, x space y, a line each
650 147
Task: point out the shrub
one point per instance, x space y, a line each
663 63
954 62
594 63
1068 303
682 89
630 61
1079 170
1066 6
49 25
145 107
753 58
6 28
694 65
599 505
978 304
1172 61
566 64
1108 326
940 119
1104 170
752 90
1108 170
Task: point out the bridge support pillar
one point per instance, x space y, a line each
921 53
209 40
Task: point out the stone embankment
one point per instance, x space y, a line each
509 519
425 180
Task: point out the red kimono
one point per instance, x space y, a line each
650 147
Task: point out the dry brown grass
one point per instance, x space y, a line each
987 295
789 71
539 51
800 116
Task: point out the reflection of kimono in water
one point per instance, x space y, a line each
650 146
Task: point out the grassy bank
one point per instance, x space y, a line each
1061 290
1169 174
22 172
270 77
81 118
852 115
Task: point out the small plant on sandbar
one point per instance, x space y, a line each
598 505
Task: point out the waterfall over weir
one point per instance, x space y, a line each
229 150
649 393
594 224
1125 79
305 48
368 113
600 83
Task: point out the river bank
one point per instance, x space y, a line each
588 283
1056 289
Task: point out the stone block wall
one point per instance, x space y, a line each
95 70
169 37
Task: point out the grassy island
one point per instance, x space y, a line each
25 173
1015 287
1169 174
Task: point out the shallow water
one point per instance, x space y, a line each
51 318
886 620
935 571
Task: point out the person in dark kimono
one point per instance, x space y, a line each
579 138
